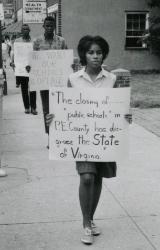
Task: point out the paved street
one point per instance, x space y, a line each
39 206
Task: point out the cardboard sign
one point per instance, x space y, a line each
50 68
89 124
34 11
21 57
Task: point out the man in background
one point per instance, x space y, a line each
48 41
29 97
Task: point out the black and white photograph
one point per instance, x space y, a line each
79 124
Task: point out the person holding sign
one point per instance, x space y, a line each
29 97
49 41
92 52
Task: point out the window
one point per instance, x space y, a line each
136 24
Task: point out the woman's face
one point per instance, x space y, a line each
94 56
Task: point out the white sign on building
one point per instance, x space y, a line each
34 11
53 8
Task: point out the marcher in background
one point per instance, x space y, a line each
4 59
48 41
92 52
4 52
8 43
11 53
29 97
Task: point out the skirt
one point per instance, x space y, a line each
102 169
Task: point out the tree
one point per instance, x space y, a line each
154 3
152 36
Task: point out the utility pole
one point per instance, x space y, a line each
1 18
60 18
1 62
2 171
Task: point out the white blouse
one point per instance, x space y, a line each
81 79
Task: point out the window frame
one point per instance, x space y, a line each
144 46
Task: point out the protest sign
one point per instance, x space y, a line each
50 68
89 124
21 57
34 11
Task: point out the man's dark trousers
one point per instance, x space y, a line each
29 97
45 105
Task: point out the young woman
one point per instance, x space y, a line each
92 52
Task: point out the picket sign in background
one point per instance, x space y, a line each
21 57
50 68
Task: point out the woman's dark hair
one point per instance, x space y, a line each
85 44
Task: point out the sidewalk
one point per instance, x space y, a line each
39 206
148 118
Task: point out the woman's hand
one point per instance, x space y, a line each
128 117
49 119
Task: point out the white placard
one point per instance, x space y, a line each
50 68
34 11
21 57
1 12
89 124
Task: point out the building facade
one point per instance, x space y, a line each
9 16
121 23
36 29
